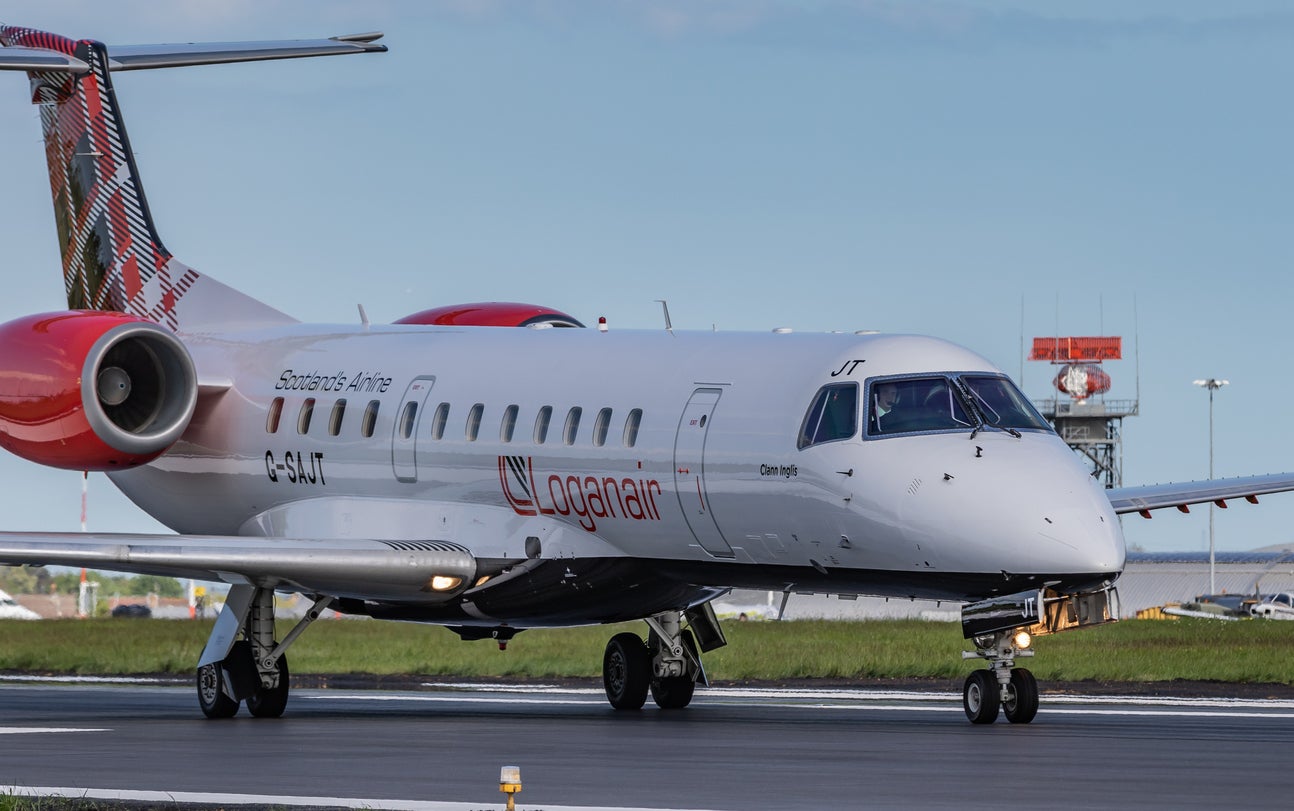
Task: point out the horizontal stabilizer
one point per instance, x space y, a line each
143 57
179 55
40 59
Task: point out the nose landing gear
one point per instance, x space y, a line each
1001 685
1002 629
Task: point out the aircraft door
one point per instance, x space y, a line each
404 437
689 472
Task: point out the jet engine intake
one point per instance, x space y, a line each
91 390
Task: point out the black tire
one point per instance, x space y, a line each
1021 704
981 697
675 692
270 703
626 671
211 693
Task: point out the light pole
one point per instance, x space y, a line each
1212 384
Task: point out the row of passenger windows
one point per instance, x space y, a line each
306 415
408 420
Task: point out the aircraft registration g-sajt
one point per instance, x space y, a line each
385 471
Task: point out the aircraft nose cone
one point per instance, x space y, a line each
1083 538
1063 514
1023 506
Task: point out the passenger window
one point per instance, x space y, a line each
631 427
832 415
916 404
600 426
303 419
334 421
542 419
369 422
572 425
509 424
407 419
272 419
438 421
474 421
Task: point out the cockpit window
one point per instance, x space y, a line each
833 415
1001 403
910 405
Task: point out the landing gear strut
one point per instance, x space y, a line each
1001 685
1001 628
242 662
668 664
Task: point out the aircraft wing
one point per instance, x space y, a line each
1205 615
1180 495
364 569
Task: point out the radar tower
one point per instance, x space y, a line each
1088 422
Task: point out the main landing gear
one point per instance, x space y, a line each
1001 685
667 664
242 663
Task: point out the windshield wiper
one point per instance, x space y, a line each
1004 428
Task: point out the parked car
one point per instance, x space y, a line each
10 610
132 610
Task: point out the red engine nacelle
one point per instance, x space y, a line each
492 314
89 390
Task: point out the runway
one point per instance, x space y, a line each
732 749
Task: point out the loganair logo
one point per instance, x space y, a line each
587 497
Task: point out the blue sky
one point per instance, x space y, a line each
973 170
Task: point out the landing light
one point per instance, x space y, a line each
1022 640
443 582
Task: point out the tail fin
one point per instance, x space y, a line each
112 256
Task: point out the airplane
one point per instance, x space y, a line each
493 467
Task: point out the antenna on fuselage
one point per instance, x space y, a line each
664 305
363 316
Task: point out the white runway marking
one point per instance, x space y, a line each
266 800
93 679
847 700
449 699
42 730
866 694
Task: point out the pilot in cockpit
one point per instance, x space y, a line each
886 398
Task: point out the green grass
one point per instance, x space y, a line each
1254 651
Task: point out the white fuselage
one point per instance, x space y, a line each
710 489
